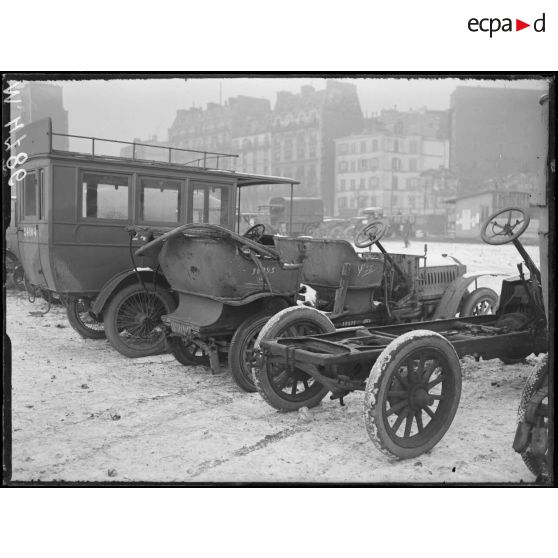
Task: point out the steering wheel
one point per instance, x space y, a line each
255 233
370 234
505 226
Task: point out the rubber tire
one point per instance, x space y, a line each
483 293
537 466
273 329
181 354
248 329
110 315
378 383
77 323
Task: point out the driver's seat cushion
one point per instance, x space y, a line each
323 259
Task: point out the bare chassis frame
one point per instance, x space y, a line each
342 360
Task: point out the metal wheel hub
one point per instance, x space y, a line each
142 318
419 396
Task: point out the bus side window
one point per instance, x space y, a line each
41 211
104 196
30 195
160 200
219 206
210 204
199 204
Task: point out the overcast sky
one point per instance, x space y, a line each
127 109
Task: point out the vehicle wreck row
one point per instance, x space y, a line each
151 255
81 217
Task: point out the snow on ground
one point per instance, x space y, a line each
83 412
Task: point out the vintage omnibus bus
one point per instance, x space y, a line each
79 213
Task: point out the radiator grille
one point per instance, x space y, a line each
435 280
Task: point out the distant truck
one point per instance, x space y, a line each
296 216
347 227
366 216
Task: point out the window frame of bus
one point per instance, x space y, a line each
41 194
140 190
38 196
81 199
25 197
199 184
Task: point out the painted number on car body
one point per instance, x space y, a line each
267 269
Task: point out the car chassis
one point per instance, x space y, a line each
410 372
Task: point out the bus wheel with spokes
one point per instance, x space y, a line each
83 320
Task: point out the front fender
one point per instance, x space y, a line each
451 299
121 280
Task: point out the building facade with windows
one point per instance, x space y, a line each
304 128
433 124
254 152
221 127
386 170
294 139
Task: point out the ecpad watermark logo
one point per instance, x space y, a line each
494 25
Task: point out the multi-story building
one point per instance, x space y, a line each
216 127
41 100
387 170
250 134
240 126
493 133
253 147
304 128
294 139
433 124
254 152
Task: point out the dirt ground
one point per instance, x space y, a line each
83 412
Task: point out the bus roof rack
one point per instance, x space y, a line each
200 157
38 138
